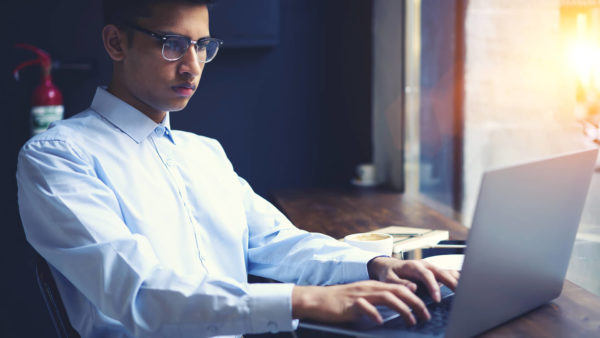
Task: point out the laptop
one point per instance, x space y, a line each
518 251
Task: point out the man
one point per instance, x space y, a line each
150 232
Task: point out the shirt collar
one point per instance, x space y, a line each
129 120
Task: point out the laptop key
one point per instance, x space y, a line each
439 319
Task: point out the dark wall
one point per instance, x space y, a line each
295 114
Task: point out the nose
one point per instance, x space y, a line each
190 64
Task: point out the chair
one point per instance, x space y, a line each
52 299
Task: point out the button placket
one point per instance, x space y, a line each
172 167
212 330
159 131
272 326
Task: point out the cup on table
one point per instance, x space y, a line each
365 173
376 242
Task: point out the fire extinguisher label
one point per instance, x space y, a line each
42 116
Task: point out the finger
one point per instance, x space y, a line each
392 301
428 277
364 307
415 303
394 279
455 276
446 277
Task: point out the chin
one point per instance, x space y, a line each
177 106
176 109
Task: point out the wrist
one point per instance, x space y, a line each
375 267
303 301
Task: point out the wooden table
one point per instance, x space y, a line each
576 313
338 213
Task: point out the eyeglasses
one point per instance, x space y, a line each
175 46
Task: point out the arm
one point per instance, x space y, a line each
280 251
74 220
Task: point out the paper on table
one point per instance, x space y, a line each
447 262
408 238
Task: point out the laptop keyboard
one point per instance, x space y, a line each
439 319
439 315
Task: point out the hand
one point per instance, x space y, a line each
391 270
342 303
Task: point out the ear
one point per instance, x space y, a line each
115 42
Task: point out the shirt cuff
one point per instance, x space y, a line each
355 265
271 307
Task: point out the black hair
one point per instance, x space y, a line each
119 12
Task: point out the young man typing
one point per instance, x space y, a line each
149 230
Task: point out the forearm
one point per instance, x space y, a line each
279 250
163 303
308 259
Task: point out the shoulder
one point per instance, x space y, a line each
72 128
67 135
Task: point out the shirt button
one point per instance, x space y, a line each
211 330
159 131
272 326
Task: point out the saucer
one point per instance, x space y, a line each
360 183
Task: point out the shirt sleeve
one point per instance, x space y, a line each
74 221
279 250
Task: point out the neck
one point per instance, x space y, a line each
118 88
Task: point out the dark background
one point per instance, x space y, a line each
294 113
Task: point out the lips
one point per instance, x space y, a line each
184 89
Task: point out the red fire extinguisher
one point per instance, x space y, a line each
47 102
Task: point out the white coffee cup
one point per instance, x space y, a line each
376 242
366 173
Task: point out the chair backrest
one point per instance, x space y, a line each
52 299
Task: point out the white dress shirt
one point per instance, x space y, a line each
150 232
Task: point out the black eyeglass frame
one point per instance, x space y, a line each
163 38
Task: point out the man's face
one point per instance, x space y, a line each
153 84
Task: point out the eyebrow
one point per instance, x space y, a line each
173 33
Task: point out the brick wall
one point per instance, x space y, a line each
519 105
519 93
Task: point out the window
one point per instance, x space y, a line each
493 84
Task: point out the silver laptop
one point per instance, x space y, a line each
518 250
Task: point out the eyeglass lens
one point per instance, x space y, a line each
174 47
